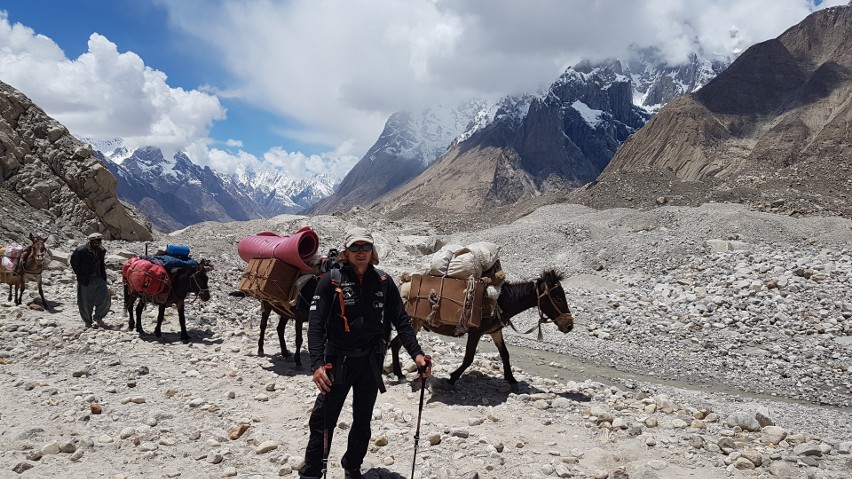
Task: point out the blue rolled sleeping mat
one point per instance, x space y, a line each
171 262
178 251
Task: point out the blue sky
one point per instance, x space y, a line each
305 86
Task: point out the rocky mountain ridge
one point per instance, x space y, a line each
770 131
51 176
511 123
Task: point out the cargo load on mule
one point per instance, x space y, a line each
148 276
282 273
435 304
276 263
10 256
457 286
163 279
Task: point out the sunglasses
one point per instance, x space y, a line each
360 247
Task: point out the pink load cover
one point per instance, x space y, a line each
296 250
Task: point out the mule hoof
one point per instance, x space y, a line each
260 353
158 333
184 339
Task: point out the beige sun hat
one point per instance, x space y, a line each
357 234
95 236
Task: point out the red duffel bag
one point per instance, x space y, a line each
145 276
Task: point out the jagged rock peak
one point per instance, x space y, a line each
54 172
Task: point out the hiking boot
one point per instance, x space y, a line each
102 325
87 324
352 474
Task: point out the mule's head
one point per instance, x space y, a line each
36 251
198 281
552 301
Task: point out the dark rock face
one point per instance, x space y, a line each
563 148
761 81
562 139
59 177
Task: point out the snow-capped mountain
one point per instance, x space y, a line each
175 192
281 194
655 83
595 107
407 145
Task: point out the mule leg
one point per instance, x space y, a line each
41 292
282 326
10 292
158 331
184 336
264 321
139 307
470 350
19 289
301 319
497 337
127 309
395 345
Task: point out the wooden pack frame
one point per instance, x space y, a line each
448 297
272 280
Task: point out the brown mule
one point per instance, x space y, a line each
29 267
545 292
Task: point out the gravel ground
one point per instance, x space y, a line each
695 315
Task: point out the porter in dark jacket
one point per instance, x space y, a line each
353 342
88 263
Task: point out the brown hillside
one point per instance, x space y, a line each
463 180
773 129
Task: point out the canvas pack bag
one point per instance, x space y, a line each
145 276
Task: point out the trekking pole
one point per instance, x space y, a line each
422 377
325 448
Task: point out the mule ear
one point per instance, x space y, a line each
31 237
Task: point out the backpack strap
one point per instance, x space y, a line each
383 279
336 277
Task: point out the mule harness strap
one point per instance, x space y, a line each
541 317
200 289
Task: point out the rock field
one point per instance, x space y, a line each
750 314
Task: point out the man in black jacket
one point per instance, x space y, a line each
93 298
347 331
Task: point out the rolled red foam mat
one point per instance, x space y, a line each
296 249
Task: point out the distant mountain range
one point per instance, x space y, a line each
494 153
491 153
174 193
771 130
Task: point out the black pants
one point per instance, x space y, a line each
355 373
